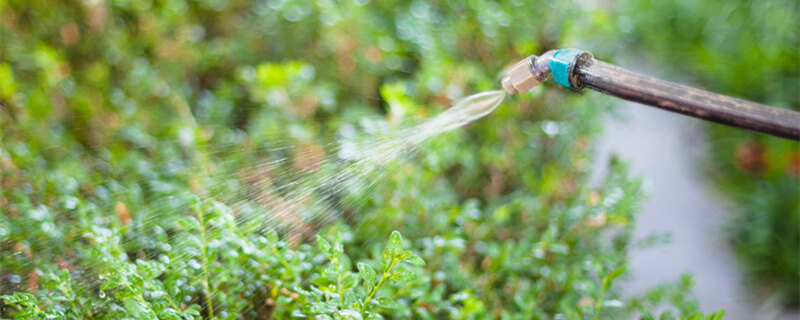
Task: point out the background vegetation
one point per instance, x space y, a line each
129 131
749 50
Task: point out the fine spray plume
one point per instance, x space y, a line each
466 110
463 111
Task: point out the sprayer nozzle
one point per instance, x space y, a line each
508 86
520 77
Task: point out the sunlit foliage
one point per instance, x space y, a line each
137 138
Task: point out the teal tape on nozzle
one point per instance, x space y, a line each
561 64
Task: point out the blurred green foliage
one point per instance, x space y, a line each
747 49
131 131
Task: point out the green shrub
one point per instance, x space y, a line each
145 146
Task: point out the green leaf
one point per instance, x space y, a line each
393 250
324 246
321 307
338 245
717 315
386 259
388 303
349 314
271 238
149 269
21 299
402 275
613 303
349 281
189 222
299 314
330 270
139 309
137 283
367 273
413 259
613 275
696 316
395 245
616 273
124 293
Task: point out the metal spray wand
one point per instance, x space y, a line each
577 69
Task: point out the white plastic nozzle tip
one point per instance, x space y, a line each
520 78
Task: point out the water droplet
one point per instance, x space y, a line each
550 128
39 213
102 294
194 264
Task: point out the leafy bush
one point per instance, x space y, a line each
745 49
146 145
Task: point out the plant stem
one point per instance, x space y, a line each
339 281
283 261
375 289
171 303
75 307
204 260
600 298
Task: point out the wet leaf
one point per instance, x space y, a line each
367 273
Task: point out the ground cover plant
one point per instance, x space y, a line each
140 139
749 50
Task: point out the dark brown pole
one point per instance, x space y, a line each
618 82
